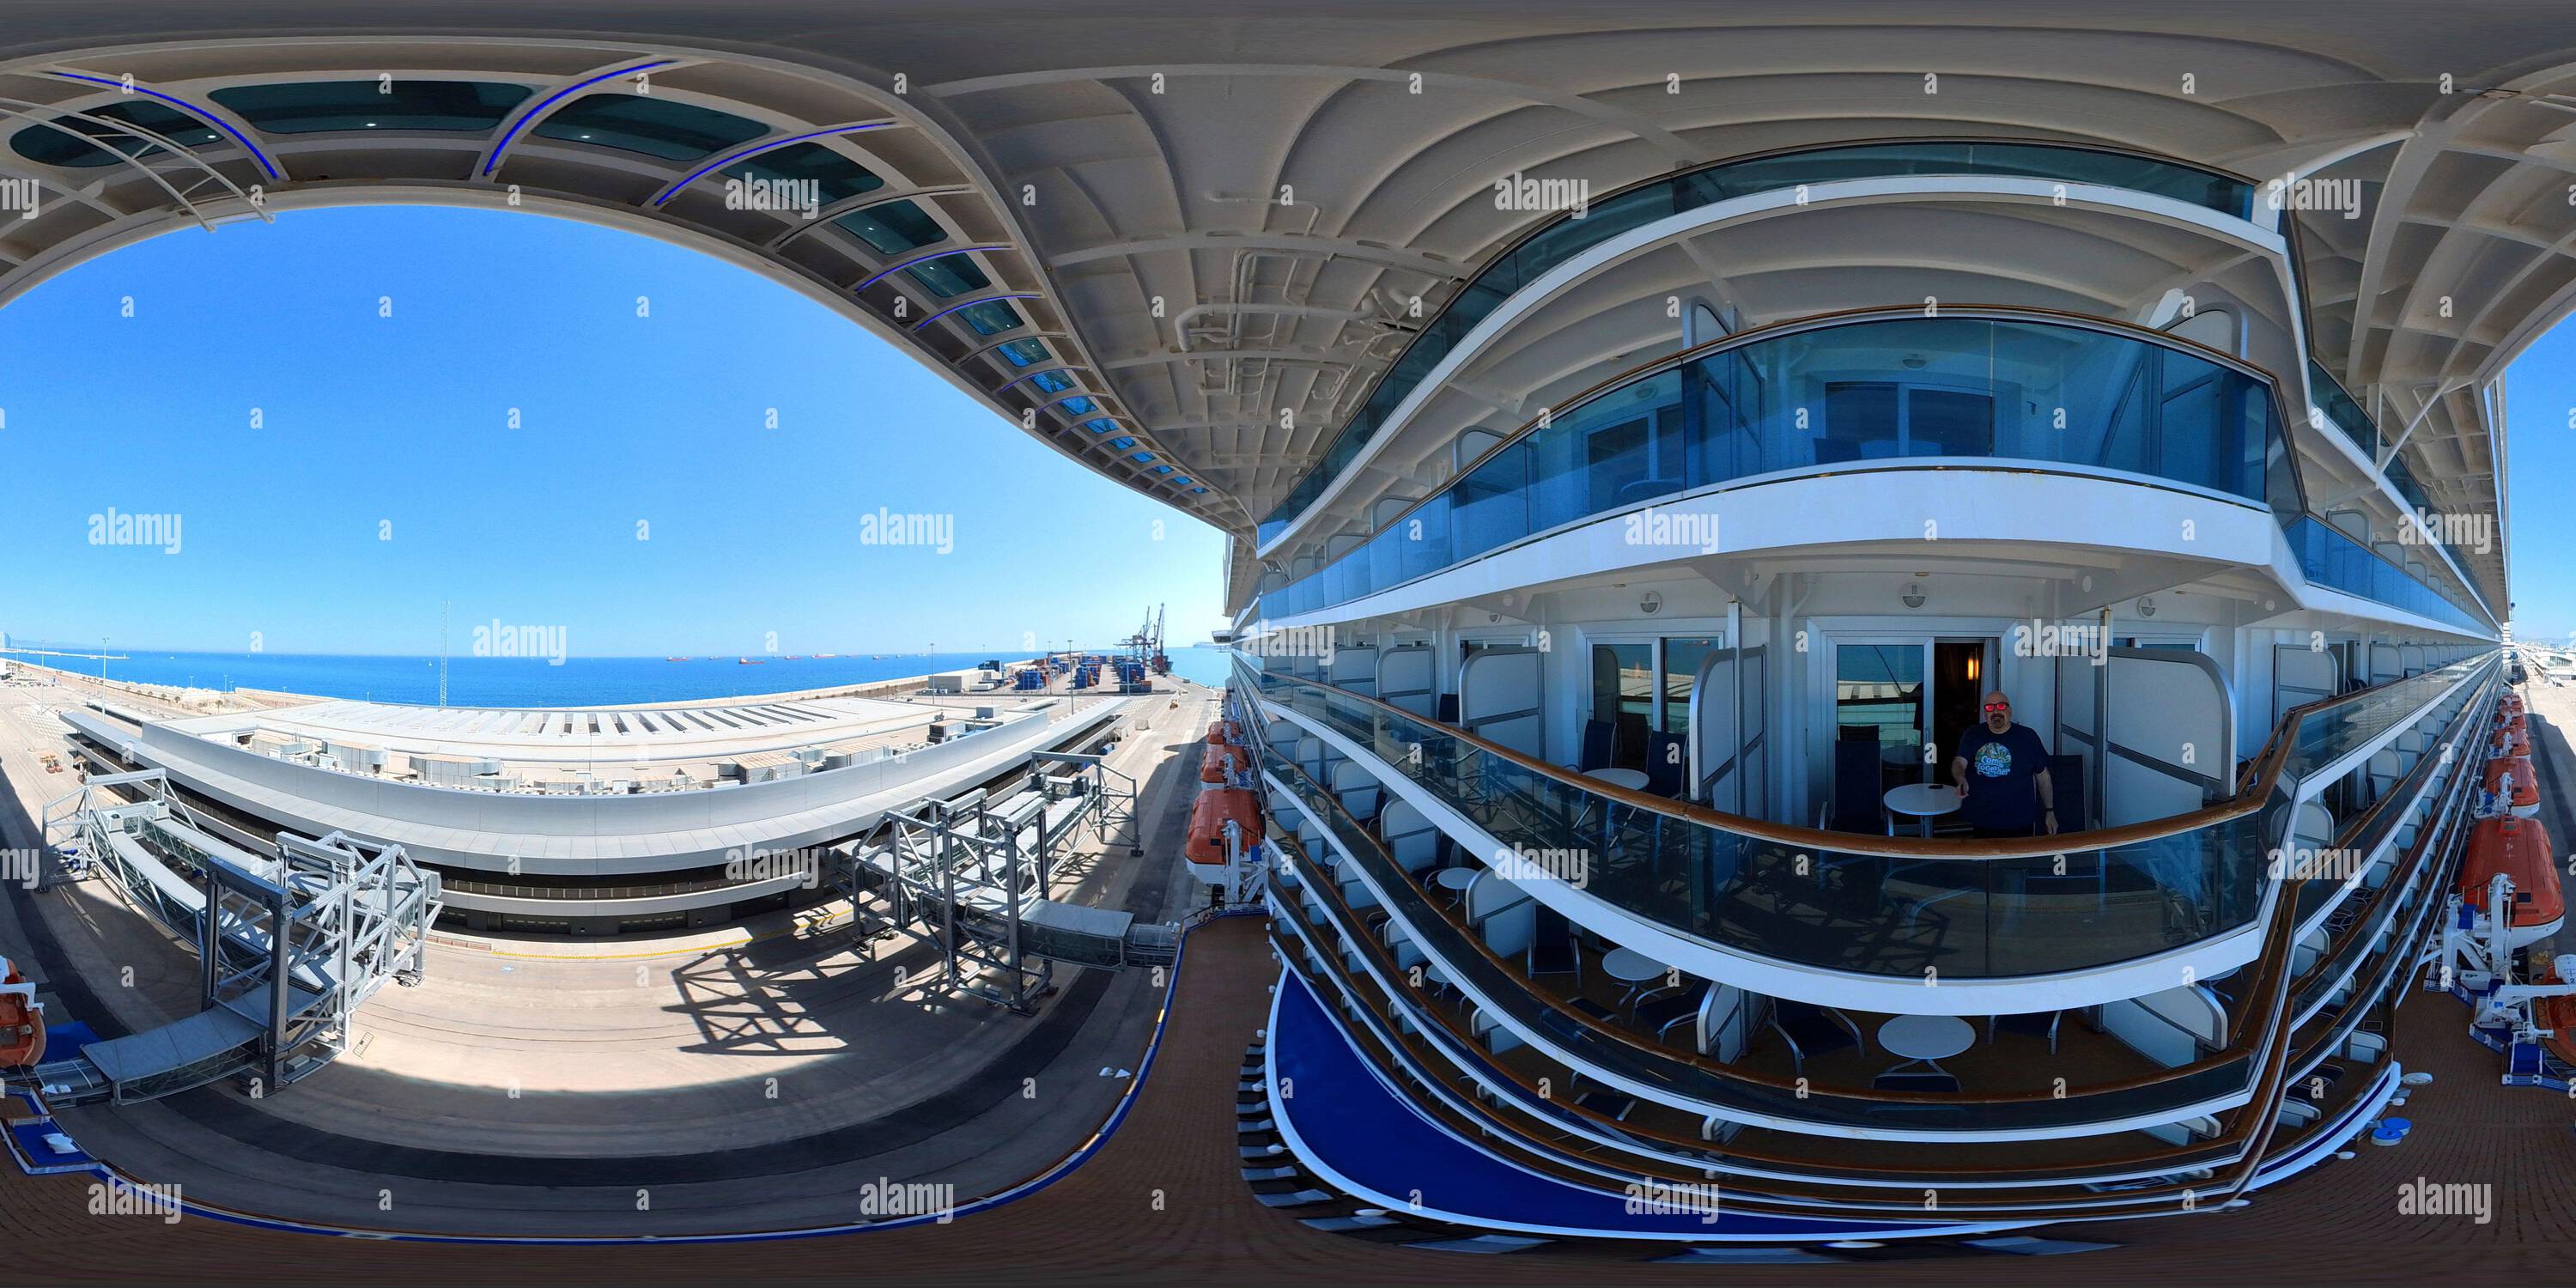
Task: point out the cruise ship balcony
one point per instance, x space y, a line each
1717 450
1541 1030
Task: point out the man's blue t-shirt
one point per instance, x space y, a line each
2000 769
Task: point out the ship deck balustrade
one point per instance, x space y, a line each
1878 388
1560 239
1877 905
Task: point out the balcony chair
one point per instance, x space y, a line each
1448 709
1660 1011
1600 744
1552 949
1612 1105
1812 1030
2037 1024
1667 763
1858 803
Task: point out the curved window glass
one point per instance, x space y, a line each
1555 243
656 127
78 144
1891 389
1054 382
316 107
949 275
893 227
993 317
1020 353
835 177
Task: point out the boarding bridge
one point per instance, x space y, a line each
290 943
970 876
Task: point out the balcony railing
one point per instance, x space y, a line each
2329 558
1842 392
1882 906
1561 239
1495 984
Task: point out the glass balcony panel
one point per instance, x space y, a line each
1568 235
1960 387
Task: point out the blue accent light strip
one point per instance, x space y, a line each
756 149
968 304
892 269
1070 371
530 116
184 106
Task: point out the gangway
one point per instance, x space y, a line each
970 877
290 943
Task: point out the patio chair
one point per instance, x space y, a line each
1812 1030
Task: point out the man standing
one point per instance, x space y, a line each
2002 772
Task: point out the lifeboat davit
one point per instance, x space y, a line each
22 1019
1215 808
2522 798
2519 848
2556 1014
1221 763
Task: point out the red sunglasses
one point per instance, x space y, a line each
1998 706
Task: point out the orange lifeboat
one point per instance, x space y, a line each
1221 763
2509 705
22 1019
1215 808
1222 731
2525 798
2510 742
2519 848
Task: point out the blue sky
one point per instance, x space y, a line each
2540 521
399 425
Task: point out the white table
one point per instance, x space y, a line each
1926 1037
1632 968
1632 779
1920 801
1456 880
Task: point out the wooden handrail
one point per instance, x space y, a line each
1561 1003
2268 766
2170 1157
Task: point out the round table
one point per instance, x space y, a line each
1629 966
1922 802
1632 968
1926 1037
1632 779
1456 880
